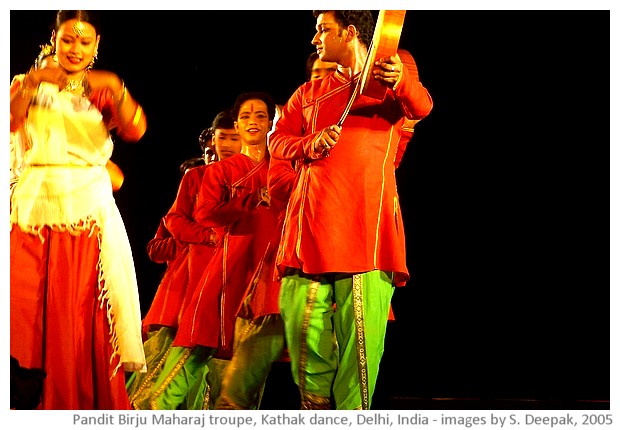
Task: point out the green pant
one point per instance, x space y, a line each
258 343
335 329
183 382
156 349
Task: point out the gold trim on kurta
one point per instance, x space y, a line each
191 333
305 168
306 179
224 281
378 226
256 169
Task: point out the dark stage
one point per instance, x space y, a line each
504 189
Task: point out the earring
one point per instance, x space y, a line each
52 45
92 61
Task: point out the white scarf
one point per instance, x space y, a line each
65 185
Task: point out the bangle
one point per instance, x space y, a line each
137 116
122 97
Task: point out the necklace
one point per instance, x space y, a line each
74 85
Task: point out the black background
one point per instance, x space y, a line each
504 188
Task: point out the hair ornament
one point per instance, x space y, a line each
79 28
46 51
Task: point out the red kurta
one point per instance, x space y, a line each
344 214
165 307
163 247
181 222
263 295
227 199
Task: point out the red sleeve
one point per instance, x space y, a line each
215 206
103 99
162 248
180 218
280 179
16 84
407 127
406 134
414 99
288 142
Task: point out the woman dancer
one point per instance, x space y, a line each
74 299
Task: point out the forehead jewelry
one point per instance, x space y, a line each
79 28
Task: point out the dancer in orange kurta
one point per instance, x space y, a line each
259 330
232 197
182 220
164 310
197 243
210 316
161 320
259 339
343 241
74 299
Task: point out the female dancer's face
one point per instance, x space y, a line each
76 44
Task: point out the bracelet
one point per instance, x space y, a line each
137 116
123 96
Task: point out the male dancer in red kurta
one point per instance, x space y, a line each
183 274
164 310
343 239
181 218
259 330
231 197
